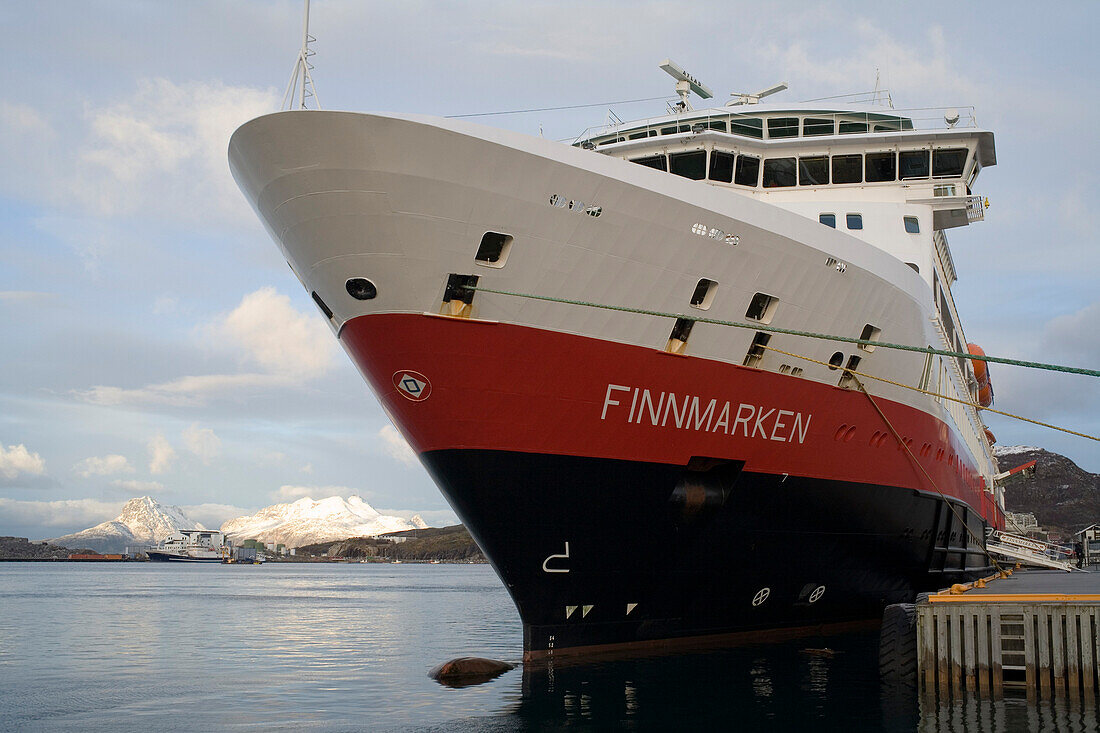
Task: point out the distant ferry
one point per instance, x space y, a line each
532 316
191 545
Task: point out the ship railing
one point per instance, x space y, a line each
749 123
975 209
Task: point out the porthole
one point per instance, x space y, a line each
361 288
761 596
816 595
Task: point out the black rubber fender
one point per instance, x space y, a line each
897 643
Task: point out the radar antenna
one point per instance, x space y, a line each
754 98
685 84
301 81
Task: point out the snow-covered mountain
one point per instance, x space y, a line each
143 521
306 521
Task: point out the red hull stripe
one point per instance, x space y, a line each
516 388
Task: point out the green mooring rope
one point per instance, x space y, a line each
793 332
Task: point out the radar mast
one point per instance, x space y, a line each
685 84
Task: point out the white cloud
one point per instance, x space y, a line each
265 330
293 493
214 515
396 447
105 466
308 468
16 459
139 487
276 336
161 454
202 442
67 513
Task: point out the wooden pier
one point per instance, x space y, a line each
1034 631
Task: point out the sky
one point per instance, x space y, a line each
153 340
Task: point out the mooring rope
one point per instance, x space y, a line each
794 332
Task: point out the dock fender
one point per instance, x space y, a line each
897 644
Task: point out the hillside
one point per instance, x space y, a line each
19 548
449 544
1061 495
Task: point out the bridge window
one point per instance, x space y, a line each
673 130
848 127
813 171
881 167
912 225
847 169
779 172
719 125
913 164
654 161
691 165
855 221
948 163
748 171
642 134
828 220
747 126
817 126
721 166
783 127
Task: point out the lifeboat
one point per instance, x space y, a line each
990 436
981 373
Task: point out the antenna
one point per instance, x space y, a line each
301 81
685 83
754 98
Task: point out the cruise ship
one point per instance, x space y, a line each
653 370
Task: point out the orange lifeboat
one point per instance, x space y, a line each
981 373
990 436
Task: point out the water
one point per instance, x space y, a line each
148 646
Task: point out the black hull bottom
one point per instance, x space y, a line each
659 554
155 556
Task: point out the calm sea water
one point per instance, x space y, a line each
163 647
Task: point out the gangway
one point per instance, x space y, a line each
1028 551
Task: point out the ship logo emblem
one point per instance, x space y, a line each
412 385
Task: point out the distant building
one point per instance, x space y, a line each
1089 538
1021 522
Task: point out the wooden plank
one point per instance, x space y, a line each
943 655
1073 656
1043 653
955 632
1058 647
997 681
926 653
1088 660
982 618
970 641
1030 651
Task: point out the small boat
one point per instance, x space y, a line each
191 545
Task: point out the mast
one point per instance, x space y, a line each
301 81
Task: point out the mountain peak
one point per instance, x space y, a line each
308 521
142 521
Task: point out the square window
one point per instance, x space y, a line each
847 169
828 220
654 161
704 294
818 126
855 221
691 165
747 126
494 249
881 167
813 171
762 308
783 127
913 164
780 172
748 171
721 166
912 225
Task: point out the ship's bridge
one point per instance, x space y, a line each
801 153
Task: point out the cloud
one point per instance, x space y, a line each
396 447
274 335
139 487
16 459
105 466
161 454
264 330
293 493
66 513
214 515
202 442
1076 335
